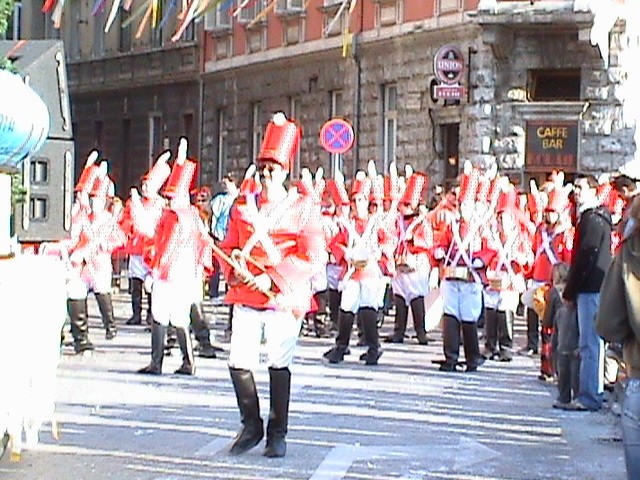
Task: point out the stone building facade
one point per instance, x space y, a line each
537 94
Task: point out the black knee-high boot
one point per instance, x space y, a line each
201 331
370 328
533 329
334 307
505 335
106 312
319 317
400 323
345 325
77 310
149 318
252 429
450 342
136 301
417 312
158 333
471 345
277 427
186 347
490 333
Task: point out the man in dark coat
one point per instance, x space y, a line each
591 259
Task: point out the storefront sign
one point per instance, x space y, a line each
551 145
448 65
449 92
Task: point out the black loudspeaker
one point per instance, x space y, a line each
49 174
48 177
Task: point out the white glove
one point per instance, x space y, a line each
263 282
477 263
439 253
148 283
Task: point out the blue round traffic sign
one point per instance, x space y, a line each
336 136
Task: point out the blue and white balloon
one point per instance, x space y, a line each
24 120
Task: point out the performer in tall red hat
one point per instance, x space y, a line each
94 237
463 264
357 249
552 244
181 247
338 209
273 246
509 239
316 318
140 218
412 261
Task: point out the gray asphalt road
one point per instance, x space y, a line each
400 420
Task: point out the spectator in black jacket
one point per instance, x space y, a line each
591 259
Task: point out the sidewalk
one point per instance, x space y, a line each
402 419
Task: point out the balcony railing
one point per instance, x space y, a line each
136 68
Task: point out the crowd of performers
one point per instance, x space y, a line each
292 247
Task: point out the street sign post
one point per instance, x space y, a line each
337 137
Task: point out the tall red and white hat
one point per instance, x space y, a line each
89 174
103 186
377 190
337 192
281 141
558 200
469 183
158 174
416 185
507 199
182 179
361 185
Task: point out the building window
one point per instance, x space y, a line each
390 123
50 32
124 39
388 12
155 136
294 104
125 155
189 34
334 25
256 39
187 125
256 129
13 27
288 6
98 35
219 18
222 145
157 37
251 11
293 31
450 134
72 40
224 46
97 134
448 6
554 85
337 104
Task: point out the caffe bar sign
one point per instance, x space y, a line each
448 67
551 145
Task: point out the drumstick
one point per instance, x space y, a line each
237 267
